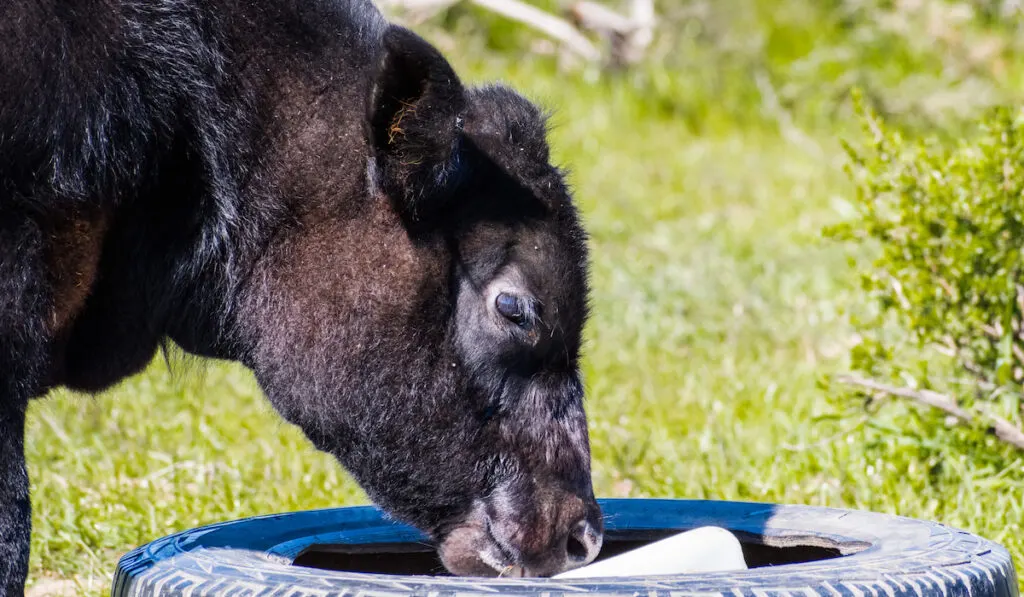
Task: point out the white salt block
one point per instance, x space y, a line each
705 549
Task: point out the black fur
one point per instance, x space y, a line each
302 187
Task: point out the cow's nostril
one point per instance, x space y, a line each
576 550
582 544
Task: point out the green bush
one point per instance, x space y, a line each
942 226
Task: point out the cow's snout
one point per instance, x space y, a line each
557 536
565 535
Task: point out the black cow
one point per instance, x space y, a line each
305 188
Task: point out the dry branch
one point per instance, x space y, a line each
600 18
550 25
1001 428
629 36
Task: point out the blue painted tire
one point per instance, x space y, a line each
875 555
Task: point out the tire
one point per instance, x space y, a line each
837 553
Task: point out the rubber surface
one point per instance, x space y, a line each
895 557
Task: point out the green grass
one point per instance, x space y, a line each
717 309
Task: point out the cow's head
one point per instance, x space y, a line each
426 330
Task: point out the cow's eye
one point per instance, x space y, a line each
511 307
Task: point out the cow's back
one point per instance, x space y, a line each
94 93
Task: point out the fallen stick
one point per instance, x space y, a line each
600 18
1003 429
552 26
629 36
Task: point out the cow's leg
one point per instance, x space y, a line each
23 362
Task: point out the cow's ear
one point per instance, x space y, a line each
415 125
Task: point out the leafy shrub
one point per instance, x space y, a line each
943 224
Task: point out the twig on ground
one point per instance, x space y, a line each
550 25
629 36
1003 429
600 18
641 12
